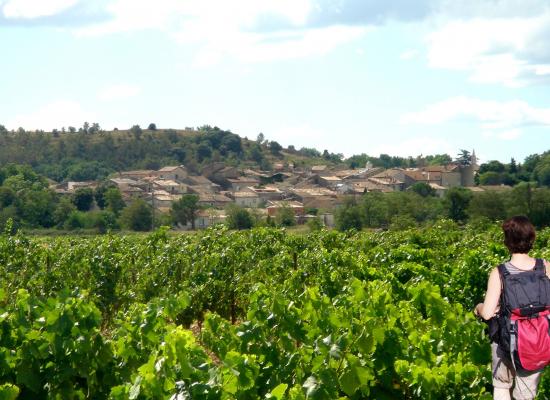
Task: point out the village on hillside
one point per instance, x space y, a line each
320 188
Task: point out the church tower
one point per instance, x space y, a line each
468 172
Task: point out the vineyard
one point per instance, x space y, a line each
260 314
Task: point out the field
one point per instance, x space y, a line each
260 314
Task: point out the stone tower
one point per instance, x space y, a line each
468 172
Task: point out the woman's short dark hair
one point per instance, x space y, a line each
519 234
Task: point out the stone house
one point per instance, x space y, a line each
176 173
247 199
274 206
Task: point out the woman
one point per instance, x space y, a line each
519 235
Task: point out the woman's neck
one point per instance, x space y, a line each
521 260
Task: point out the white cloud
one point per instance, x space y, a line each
408 54
52 116
500 120
29 9
118 92
492 8
511 51
229 29
251 48
207 16
511 134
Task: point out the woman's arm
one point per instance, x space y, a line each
489 307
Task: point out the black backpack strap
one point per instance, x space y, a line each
503 274
539 265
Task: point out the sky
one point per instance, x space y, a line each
400 77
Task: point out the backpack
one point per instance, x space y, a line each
524 317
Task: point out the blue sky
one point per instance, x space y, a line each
351 76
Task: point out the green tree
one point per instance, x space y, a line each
22 177
519 201
411 204
204 151
423 189
285 216
439 159
238 218
315 224
255 153
349 216
152 127
62 211
513 167
464 158
87 171
265 165
275 148
95 128
83 199
75 220
542 171
113 200
490 178
7 197
231 143
137 216
489 205
540 207
36 207
136 131
494 166
99 196
357 161
185 210
457 200
402 222
7 214
531 162
105 221
375 210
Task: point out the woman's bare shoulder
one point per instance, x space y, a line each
494 275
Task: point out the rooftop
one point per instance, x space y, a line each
267 189
166 182
143 172
279 204
242 179
425 176
244 194
331 178
389 180
171 168
211 197
123 181
313 191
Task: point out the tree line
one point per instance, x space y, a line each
419 206
91 153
